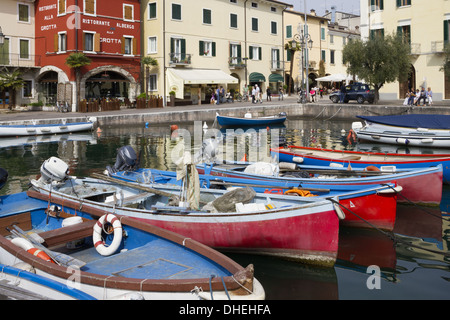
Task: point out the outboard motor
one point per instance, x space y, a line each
54 169
3 177
126 160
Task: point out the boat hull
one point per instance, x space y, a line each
361 160
249 122
37 129
306 233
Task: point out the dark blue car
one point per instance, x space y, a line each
356 91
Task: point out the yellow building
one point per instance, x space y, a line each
425 25
17 50
202 45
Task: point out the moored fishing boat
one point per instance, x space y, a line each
58 240
268 224
420 130
249 121
363 205
361 160
33 128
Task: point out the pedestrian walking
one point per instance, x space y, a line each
253 94
269 94
280 92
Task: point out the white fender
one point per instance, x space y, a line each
22 243
97 235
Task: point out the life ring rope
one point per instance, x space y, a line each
99 243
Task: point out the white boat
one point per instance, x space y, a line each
34 128
420 130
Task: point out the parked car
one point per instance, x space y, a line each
356 91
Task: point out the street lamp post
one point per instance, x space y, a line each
305 41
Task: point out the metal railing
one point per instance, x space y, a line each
276 65
180 58
236 62
19 60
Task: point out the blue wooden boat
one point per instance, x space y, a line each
33 128
249 121
20 284
58 239
360 159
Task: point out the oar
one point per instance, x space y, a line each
132 185
60 258
264 186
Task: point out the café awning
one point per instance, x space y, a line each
256 77
275 77
177 78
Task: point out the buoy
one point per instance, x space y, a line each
173 127
99 130
244 158
40 254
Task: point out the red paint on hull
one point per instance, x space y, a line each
309 238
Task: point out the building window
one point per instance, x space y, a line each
176 11
377 33
88 41
233 20
254 5
233 1
276 65
27 90
331 38
332 56
322 33
323 54
152 10
153 82
235 53
128 12
255 53
376 5
62 42
288 31
90 7
206 16
254 24
128 45
24 12
24 49
273 27
273 9
405 33
61 7
446 31
403 3
207 48
152 45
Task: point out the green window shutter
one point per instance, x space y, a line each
250 52
201 48
381 4
206 16
239 51
446 33
400 32
399 3
288 31
183 46
260 53
233 20
289 55
213 49
273 27
176 11
152 10
254 24
172 45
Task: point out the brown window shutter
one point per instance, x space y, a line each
89 6
97 42
122 45
128 12
62 6
55 42
134 46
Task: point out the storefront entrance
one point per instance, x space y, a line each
4 99
107 85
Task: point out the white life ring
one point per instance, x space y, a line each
97 235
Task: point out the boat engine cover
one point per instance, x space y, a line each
54 169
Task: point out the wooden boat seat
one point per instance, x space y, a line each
67 234
351 158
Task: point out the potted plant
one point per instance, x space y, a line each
172 98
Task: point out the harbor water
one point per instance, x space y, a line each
370 264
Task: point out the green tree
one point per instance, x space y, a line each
11 81
292 47
378 60
76 61
446 65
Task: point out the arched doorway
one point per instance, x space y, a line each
48 87
409 84
106 84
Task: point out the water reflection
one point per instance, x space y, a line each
401 263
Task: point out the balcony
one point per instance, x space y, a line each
276 65
437 46
19 60
415 49
236 63
180 59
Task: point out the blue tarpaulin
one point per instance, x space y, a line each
430 121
